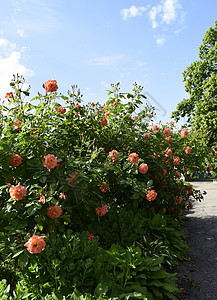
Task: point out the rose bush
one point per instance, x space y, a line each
79 169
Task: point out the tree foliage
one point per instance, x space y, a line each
200 82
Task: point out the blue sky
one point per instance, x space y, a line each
98 42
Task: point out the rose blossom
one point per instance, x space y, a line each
61 110
169 152
17 125
167 131
51 86
50 161
101 211
179 200
184 132
146 136
164 172
91 237
133 158
103 188
188 150
16 160
169 139
42 199
114 155
72 179
36 244
176 160
143 168
9 95
151 195
155 128
63 196
17 192
209 169
54 211
103 122
178 175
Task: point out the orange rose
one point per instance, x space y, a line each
101 211
54 211
16 160
143 168
36 244
50 86
133 158
50 161
151 195
17 192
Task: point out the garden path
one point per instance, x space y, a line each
198 278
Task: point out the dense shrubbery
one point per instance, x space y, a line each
91 197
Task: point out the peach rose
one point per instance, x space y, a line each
155 128
103 122
50 86
9 95
184 132
16 160
17 192
101 211
169 139
72 179
176 160
104 188
188 150
17 125
50 161
169 152
36 244
114 155
146 136
151 195
54 211
143 168
133 158
61 110
167 131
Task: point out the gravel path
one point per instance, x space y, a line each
198 277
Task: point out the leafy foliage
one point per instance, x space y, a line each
78 221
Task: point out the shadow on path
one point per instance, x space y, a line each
198 276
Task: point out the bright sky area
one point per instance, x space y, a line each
98 42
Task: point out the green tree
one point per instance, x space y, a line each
201 83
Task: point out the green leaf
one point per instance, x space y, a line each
31 210
18 253
23 261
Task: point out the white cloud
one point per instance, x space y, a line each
133 11
160 40
155 10
166 12
169 10
106 60
10 64
20 32
104 84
